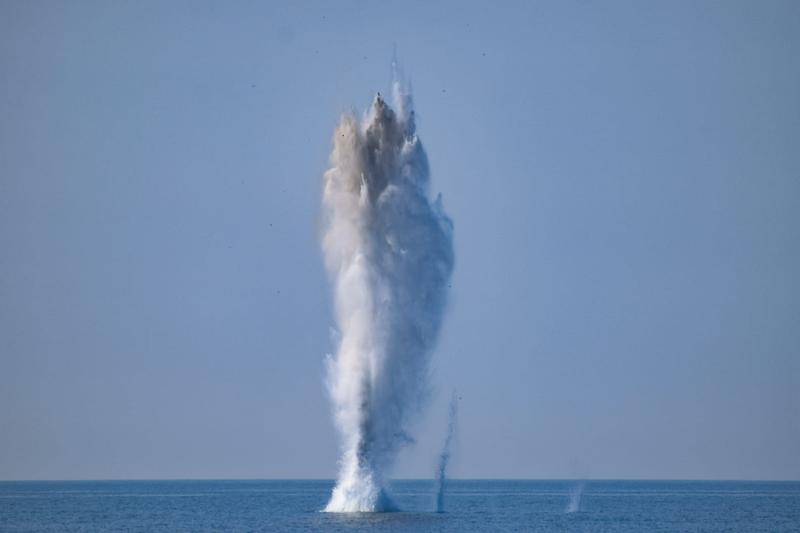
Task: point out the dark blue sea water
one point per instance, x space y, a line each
602 506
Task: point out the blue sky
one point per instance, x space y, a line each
623 178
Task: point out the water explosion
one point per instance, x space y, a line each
388 249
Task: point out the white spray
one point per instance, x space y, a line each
389 252
575 494
444 458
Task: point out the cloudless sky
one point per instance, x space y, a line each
624 180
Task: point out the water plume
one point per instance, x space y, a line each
444 457
575 495
388 249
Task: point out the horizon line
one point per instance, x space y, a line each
333 480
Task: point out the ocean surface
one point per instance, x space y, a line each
597 506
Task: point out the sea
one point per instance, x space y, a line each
470 506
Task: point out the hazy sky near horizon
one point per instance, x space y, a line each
624 180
